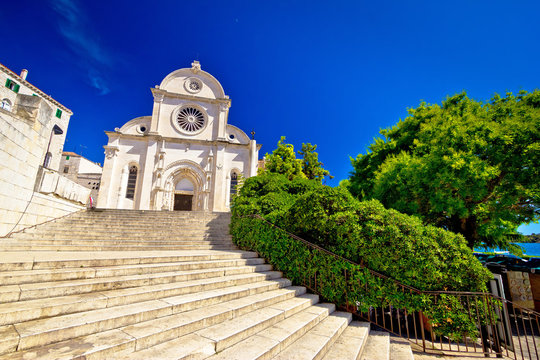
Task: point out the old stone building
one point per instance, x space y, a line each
185 156
82 171
33 128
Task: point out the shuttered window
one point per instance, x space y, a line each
58 113
10 84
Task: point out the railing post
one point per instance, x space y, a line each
421 321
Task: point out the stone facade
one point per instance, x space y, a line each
185 156
32 131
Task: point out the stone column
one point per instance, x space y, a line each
222 120
106 191
253 158
220 180
156 112
147 165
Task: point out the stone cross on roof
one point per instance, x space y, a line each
195 65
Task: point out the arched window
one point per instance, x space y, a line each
6 105
132 181
234 182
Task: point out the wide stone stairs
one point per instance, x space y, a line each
119 284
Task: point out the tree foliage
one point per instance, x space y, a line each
283 161
466 166
311 166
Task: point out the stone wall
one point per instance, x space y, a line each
24 135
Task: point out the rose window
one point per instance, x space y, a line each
190 119
195 86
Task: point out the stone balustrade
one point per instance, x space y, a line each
51 182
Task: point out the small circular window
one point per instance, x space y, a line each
142 129
190 120
231 136
193 85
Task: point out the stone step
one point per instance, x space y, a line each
232 331
157 221
351 343
41 290
18 247
33 276
316 342
153 332
51 330
54 260
377 346
183 231
108 239
128 229
269 342
156 215
156 224
97 234
400 349
144 217
204 291
145 242
135 211
116 342
103 345
42 332
126 234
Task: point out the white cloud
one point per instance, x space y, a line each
73 26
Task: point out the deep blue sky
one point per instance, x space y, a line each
332 73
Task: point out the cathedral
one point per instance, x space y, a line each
185 156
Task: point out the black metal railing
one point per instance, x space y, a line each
485 324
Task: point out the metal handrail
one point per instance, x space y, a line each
497 332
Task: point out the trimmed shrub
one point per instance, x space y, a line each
386 241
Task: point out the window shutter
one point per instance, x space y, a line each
16 88
58 113
8 82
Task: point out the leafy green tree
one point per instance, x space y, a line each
283 161
311 166
466 166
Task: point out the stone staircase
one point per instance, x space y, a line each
120 284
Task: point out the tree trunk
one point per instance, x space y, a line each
468 227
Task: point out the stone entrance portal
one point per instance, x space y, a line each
183 202
183 195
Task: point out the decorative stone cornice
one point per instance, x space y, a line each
164 93
223 142
158 97
110 151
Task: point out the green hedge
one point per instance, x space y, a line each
386 241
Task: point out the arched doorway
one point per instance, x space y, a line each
184 191
184 178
